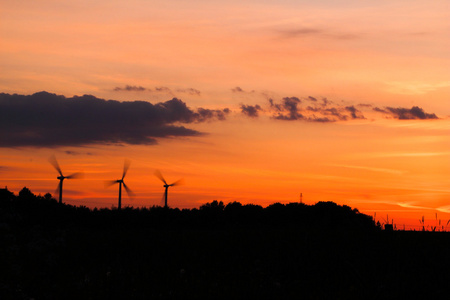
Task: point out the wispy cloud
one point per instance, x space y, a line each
415 88
411 154
372 169
403 113
130 88
312 110
302 32
157 89
240 90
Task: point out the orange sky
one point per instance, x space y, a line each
361 54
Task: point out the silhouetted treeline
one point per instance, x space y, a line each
233 251
44 210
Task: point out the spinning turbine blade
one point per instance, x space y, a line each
159 175
76 175
54 162
178 182
110 183
126 165
129 191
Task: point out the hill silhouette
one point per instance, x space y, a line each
322 251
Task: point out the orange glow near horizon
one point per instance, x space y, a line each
323 162
218 55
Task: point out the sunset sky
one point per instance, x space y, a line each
250 101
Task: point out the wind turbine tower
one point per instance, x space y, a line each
121 183
61 177
166 185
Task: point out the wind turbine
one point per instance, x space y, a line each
126 165
61 177
178 182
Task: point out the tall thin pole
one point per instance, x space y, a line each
120 195
60 190
165 196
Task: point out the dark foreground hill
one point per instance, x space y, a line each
294 251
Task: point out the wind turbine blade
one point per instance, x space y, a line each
76 175
126 165
129 191
159 175
52 160
110 183
178 182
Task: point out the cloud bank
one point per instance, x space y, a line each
312 109
49 120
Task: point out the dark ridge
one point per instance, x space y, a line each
295 251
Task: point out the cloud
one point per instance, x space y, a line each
391 171
190 91
49 120
298 32
316 32
322 110
250 110
288 109
130 88
74 153
354 113
240 90
158 89
402 113
293 108
163 89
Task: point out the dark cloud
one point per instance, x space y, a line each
163 89
354 113
325 102
364 105
250 110
189 91
237 90
377 109
130 88
203 114
288 109
403 113
291 108
74 153
49 120
158 89
320 119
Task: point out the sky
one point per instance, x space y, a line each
249 101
